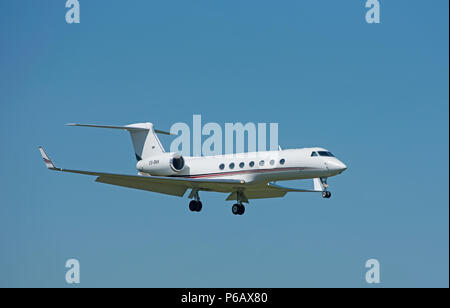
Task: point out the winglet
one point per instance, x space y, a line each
48 163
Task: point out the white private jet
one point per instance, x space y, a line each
243 176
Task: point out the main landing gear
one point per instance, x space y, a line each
239 208
195 205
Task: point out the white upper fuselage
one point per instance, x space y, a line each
256 167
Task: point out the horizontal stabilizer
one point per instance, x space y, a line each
130 128
143 136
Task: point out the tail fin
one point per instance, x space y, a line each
143 136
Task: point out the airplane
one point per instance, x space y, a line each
243 176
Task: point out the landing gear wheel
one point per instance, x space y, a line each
192 205
235 209
238 209
326 194
241 209
195 206
199 206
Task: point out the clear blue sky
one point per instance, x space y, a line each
375 95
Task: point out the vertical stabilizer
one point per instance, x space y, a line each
145 141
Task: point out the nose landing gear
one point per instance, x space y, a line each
326 194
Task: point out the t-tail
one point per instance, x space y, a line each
143 136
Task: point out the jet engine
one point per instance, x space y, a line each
162 165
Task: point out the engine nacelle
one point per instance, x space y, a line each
162 165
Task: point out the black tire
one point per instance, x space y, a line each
193 205
328 194
199 206
241 209
235 209
324 194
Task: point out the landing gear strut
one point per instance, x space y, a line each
195 205
238 208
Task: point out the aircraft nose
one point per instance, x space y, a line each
337 166
343 167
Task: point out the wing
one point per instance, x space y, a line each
164 185
272 190
276 187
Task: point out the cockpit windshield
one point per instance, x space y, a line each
325 153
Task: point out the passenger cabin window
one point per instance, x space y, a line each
252 164
261 163
272 162
232 166
314 154
325 153
241 165
282 161
222 166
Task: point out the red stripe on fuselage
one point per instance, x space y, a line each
241 172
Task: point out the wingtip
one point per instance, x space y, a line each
47 161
